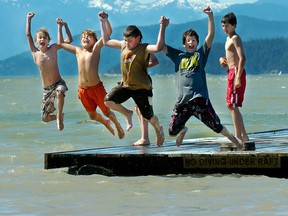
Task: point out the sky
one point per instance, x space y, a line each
4 53
237 1
221 1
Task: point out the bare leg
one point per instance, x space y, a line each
160 138
239 127
181 136
99 118
226 133
50 117
119 129
126 112
60 122
60 114
144 140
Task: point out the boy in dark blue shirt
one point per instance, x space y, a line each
192 91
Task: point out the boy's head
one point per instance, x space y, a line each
190 33
229 18
132 36
42 37
229 23
190 40
88 32
88 38
43 31
132 31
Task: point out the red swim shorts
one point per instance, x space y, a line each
93 96
235 96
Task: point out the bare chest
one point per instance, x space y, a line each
87 58
229 46
46 58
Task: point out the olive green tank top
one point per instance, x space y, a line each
134 68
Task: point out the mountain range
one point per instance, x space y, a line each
264 19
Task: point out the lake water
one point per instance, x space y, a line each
27 189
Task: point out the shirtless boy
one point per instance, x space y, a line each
235 60
45 57
91 90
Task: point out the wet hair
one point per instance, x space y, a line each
44 31
190 33
229 18
90 33
132 31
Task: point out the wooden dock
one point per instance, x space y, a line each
194 156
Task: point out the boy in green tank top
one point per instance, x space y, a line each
136 82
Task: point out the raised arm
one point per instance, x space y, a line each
164 22
108 25
102 14
69 38
211 26
105 25
65 44
60 38
31 44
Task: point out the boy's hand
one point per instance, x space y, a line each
207 10
102 16
238 82
223 61
30 15
164 21
60 21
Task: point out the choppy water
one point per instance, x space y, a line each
27 189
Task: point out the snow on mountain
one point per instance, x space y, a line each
121 6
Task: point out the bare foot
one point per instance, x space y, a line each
181 136
129 120
160 137
120 131
240 144
108 126
60 123
245 139
242 139
142 142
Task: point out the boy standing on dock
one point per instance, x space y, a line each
45 57
91 90
192 91
136 82
235 61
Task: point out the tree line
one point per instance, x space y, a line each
263 56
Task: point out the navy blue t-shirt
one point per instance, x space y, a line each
190 73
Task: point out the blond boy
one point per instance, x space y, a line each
91 90
45 57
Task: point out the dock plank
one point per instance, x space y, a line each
199 155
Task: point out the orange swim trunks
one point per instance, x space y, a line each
93 96
235 96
